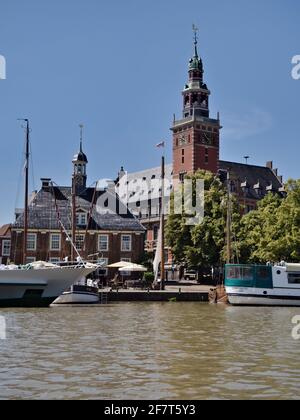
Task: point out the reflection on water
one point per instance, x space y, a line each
150 351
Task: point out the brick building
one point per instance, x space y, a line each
5 242
105 232
196 145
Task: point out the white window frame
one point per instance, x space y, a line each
126 273
51 242
122 243
4 245
54 260
107 242
81 219
82 240
100 260
30 260
33 235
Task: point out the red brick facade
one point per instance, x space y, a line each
5 244
90 251
195 146
196 135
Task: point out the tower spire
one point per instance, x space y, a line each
79 167
81 136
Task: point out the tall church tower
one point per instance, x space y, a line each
196 135
79 168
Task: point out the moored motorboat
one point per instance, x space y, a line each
38 284
79 294
263 285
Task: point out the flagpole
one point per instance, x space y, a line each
162 218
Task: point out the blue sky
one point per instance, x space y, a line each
119 67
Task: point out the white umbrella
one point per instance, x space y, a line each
133 268
120 264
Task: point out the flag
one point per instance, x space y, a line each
162 144
157 258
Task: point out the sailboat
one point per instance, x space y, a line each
37 284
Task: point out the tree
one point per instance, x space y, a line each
272 232
203 245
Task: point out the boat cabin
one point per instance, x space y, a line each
263 276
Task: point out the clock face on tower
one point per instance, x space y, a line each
207 138
182 140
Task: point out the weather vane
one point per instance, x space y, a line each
81 134
195 30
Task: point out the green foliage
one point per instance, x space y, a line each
272 232
147 261
202 245
269 233
148 278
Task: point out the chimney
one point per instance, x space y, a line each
275 171
46 183
269 164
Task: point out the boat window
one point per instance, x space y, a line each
263 273
294 278
239 273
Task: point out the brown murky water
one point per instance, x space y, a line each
150 351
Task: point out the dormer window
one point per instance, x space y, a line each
81 219
245 187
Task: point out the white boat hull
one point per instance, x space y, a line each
78 295
270 297
37 287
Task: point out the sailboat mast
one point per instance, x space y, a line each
162 225
73 219
228 223
27 153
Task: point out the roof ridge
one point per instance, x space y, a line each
244 164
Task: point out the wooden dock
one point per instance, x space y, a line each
172 293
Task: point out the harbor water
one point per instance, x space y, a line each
149 351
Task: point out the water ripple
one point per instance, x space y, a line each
149 351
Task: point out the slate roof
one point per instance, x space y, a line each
244 175
43 213
143 185
251 176
5 230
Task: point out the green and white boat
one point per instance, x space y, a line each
263 285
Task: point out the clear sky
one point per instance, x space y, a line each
118 67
